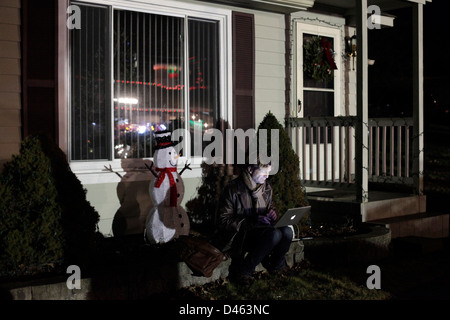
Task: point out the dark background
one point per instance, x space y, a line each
390 78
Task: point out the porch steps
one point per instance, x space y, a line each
431 225
380 205
386 205
404 214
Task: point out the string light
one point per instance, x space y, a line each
160 85
152 109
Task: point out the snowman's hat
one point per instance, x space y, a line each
163 139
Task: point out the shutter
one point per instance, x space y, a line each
243 71
39 68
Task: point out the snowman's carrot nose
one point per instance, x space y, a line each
179 155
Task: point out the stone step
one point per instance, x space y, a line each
335 206
424 224
135 281
393 208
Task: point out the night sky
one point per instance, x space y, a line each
390 78
436 50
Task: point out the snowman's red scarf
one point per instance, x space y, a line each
173 185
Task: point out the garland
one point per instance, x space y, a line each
318 59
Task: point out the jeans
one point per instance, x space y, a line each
266 245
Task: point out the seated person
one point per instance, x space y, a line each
245 218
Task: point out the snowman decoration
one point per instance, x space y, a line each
167 220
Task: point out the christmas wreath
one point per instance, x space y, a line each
318 59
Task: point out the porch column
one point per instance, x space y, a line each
418 144
361 126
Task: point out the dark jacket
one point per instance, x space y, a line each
235 215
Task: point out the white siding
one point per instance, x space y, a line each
270 83
10 86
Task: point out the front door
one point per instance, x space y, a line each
318 96
318 74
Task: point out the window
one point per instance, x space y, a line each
136 72
318 95
89 86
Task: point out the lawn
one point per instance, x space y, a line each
300 283
409 272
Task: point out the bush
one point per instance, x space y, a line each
202 208
45 219
288 191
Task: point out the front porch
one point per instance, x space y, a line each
359 169
404 214
326 148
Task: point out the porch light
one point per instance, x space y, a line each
350 47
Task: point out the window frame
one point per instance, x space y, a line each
93 171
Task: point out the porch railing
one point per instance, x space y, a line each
326 148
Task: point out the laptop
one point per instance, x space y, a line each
292 216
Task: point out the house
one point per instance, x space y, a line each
100 76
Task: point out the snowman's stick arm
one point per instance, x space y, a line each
186 166
151 169
111 170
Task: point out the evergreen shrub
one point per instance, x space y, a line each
202 208
288 192
45 220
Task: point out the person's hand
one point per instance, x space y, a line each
272 215
268 219
264 220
